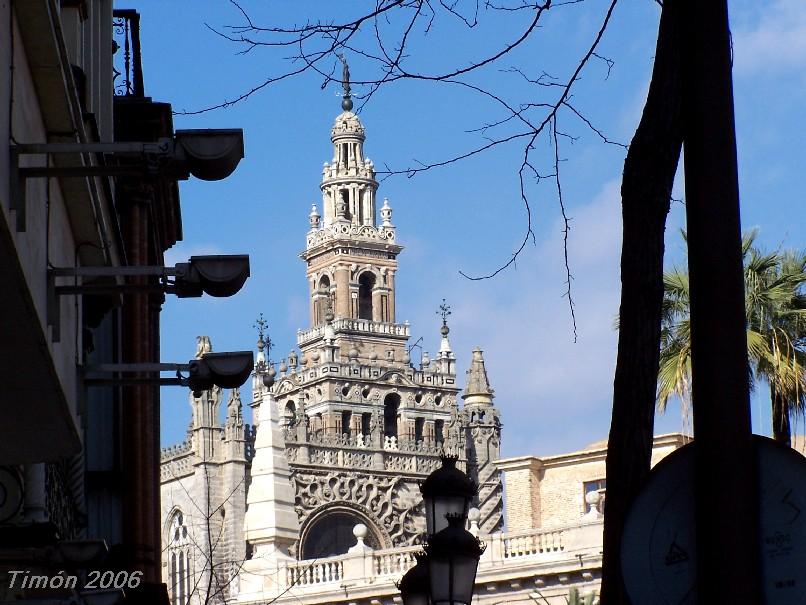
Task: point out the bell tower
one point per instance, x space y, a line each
362 423
351 259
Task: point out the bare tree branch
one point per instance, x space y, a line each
318 41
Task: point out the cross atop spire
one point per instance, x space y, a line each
263 341
444 311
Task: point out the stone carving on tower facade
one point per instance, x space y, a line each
392 502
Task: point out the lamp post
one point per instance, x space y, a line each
446 572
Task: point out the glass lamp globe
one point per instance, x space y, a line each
453 559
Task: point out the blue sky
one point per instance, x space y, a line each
555 394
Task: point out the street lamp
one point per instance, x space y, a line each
446 573
453 559
415 588
446 491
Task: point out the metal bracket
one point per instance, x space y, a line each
136 368
153 153
54 291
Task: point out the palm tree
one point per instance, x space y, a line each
775 306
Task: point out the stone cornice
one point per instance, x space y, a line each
349 234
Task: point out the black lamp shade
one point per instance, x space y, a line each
446 491
453 559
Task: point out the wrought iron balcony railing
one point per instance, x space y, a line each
127 67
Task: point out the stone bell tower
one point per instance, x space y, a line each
361 424
351 260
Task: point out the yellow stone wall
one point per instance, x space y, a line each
549 491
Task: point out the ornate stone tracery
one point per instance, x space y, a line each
392 503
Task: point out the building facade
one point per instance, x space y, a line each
203 497
87 199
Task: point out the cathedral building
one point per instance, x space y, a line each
345 429
319 501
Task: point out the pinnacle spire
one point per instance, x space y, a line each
477 388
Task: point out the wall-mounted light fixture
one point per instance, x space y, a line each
227 370
218 275
207 154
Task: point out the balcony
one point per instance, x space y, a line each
514 565
349 325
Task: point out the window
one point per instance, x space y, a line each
322 299
366 283
289 417
366 422
390 405
439 426
346 415
178 554
332 534
345 200
419 423
599 486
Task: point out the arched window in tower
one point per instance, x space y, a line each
178 556
290 414
345 200
322 299
366 283
439 431
391 403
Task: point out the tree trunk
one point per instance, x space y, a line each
781 430
646 188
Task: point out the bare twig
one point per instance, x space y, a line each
389 56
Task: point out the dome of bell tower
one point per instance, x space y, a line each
347 125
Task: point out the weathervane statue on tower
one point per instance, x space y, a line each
347 102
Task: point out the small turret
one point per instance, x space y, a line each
205 425
483 443
477 387
314 217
